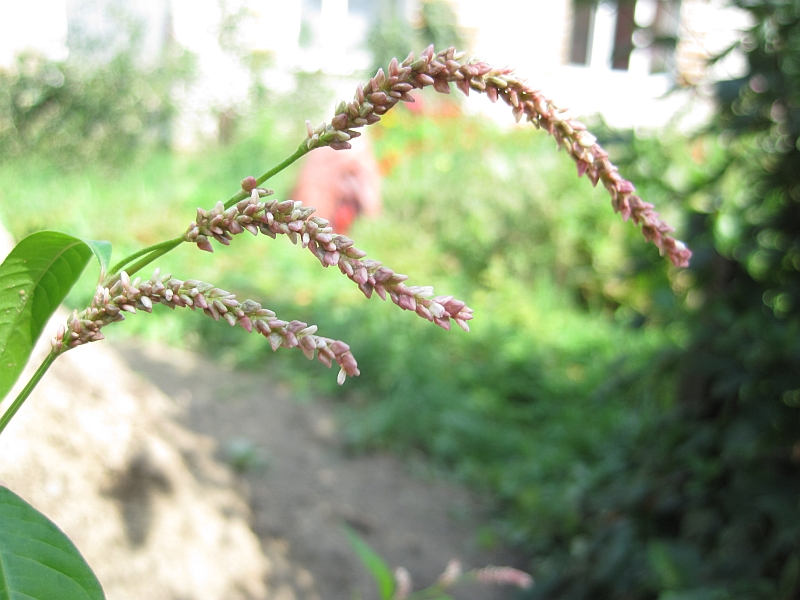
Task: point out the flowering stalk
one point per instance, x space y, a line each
503 576
123 295
385 90
291 218
26 391
151 253
454 574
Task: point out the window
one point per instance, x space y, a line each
638 35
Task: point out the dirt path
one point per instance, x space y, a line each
308 485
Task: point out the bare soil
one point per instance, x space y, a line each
302 485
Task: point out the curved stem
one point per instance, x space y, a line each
26 391
128 259
241 195
155 251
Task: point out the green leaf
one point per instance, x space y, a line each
34 279
373 562
37 561
102 252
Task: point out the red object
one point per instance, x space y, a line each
341 184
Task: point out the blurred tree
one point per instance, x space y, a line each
73 111
389 35
436 24
705 501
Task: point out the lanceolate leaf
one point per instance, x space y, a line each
373 562
37 561
34 279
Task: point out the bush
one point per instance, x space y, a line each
69 113
703 502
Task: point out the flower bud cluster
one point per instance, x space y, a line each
291 218
123 295
504 576
385 90
221 223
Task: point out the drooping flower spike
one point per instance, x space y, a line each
439 70
123 295
296 221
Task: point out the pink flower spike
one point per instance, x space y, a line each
504 575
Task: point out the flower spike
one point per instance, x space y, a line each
438 70
123 295
296 221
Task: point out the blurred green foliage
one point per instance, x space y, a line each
392 35
704 501
437 24
388 35
71 112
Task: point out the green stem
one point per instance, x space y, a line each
168 244
155 251
241 195
26 391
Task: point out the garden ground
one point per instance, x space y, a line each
302 484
